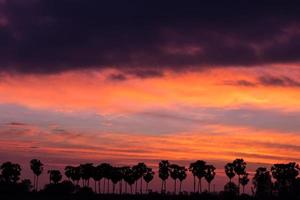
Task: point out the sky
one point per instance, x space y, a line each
140 81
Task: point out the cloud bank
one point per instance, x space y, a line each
145 37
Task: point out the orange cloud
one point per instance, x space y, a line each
221 143
91 90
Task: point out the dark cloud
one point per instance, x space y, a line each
16 124
240 83
146 73
46 36
267 80
278 81
117 77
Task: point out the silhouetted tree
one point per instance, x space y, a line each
10 172
229 171
181 176
140 170
200 166
244 181
76 175
37 168
136 176
174 172
231 190
285 175
25 186
239 168
193 169
148 177
54 176
107 170
129 177
69 170
209 174
98 174
115 176
125 170
86 171
262 182
122 171
164 174
73 173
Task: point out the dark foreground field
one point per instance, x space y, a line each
121 197
153 196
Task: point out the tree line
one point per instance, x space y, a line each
129 180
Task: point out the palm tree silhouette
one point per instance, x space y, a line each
174 172
209 174
229 171
97 176
164 174
76 175
10 172
54 176
198 168
122 171
69 170
285 175
129 177
115 176
141 169
193 169
37 168
136 176
239 168
148 177
262 182
107 170
244 181
86 171
181 176
126 171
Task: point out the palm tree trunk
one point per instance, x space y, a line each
99 186
209 187
200 186
162 186
95 186
147 184
141 188
194 183
131 188
107 186
174 186
180 186
243 189
37 183
34 182
239 184
104 185
135 187
125 188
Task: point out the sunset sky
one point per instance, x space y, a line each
130 81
